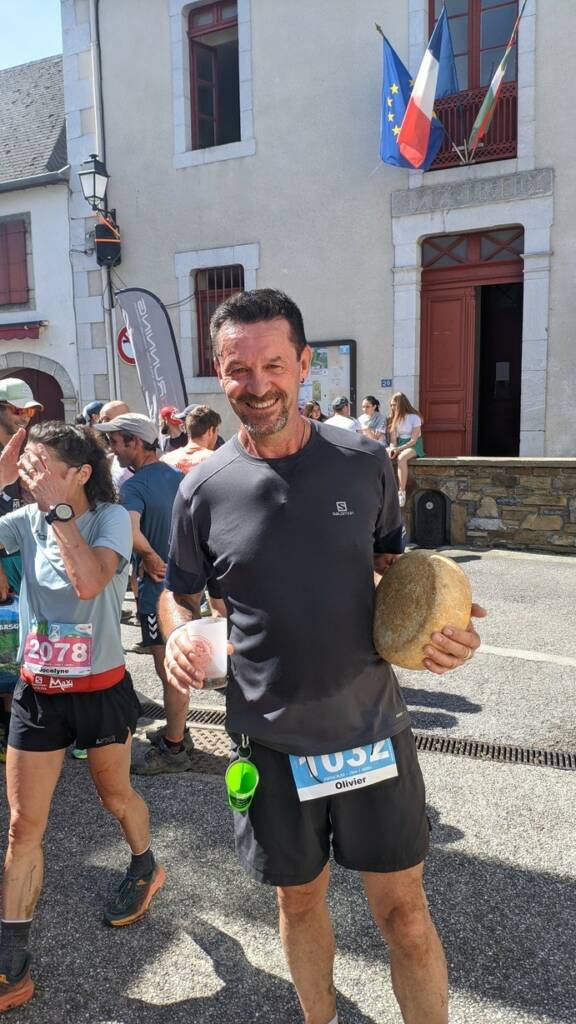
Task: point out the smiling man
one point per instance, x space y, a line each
291 518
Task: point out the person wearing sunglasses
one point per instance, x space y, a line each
17 409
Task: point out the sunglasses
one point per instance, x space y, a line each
19 412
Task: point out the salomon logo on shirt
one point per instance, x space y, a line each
342 509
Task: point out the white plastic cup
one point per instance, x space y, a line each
213 629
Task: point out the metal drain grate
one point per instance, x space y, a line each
484 751
208 717
213 718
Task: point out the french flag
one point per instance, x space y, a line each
436 78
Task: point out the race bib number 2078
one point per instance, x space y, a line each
59 648
330 774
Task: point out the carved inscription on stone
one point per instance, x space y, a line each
474 192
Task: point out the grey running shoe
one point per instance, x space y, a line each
158 732
160 760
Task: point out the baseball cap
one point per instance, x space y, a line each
17 392
340 402
182 415
131 423
92 409
169 412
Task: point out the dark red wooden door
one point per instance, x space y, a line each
45 390
447 370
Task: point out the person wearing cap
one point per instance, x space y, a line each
172 432
148 496
341 415
17 409
202 430
91 412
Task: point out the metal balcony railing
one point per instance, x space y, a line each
458 113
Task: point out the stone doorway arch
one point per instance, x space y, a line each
15 361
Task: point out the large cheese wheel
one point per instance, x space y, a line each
418 595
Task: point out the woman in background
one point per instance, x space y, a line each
405 427
312 411
372 422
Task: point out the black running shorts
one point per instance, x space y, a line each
151 635
381 828
43 721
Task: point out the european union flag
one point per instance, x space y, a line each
396 88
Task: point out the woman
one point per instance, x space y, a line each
372 422
312 411
76 544
405 427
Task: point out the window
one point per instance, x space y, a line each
13 270
212 287
214 75
476 247
480 31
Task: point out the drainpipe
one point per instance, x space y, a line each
107 295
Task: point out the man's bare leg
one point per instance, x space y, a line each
308 942
175 703
418 965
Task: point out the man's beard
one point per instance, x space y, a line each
261 426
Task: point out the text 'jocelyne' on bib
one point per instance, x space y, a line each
330 774
59 648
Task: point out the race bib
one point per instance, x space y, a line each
329 774
59 648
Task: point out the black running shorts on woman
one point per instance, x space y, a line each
42 722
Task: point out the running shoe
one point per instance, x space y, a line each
133 897
155 735
15 991
79 753
401 498
160 760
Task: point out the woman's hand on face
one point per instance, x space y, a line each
46 486
9 458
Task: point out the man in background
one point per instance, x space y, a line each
172 433
202 431
108 412
91 413
148 496
17 409
341 415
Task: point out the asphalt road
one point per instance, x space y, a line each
501 876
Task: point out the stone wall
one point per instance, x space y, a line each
511 503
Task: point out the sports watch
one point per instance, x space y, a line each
60 513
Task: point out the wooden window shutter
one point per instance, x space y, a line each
4 282
13 268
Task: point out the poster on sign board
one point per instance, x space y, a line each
332 374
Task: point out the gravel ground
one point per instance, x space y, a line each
500 876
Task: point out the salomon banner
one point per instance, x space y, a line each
154 347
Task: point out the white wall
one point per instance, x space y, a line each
47 208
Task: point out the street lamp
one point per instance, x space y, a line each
94 179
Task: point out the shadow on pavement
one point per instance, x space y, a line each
248 993
442 703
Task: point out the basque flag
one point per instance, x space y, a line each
435 79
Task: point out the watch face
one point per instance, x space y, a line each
63 512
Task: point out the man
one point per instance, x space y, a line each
148 496
91 412
172 431
17 409
287 500
342 417
202 430
109 411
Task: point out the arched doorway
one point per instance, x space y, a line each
45 389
